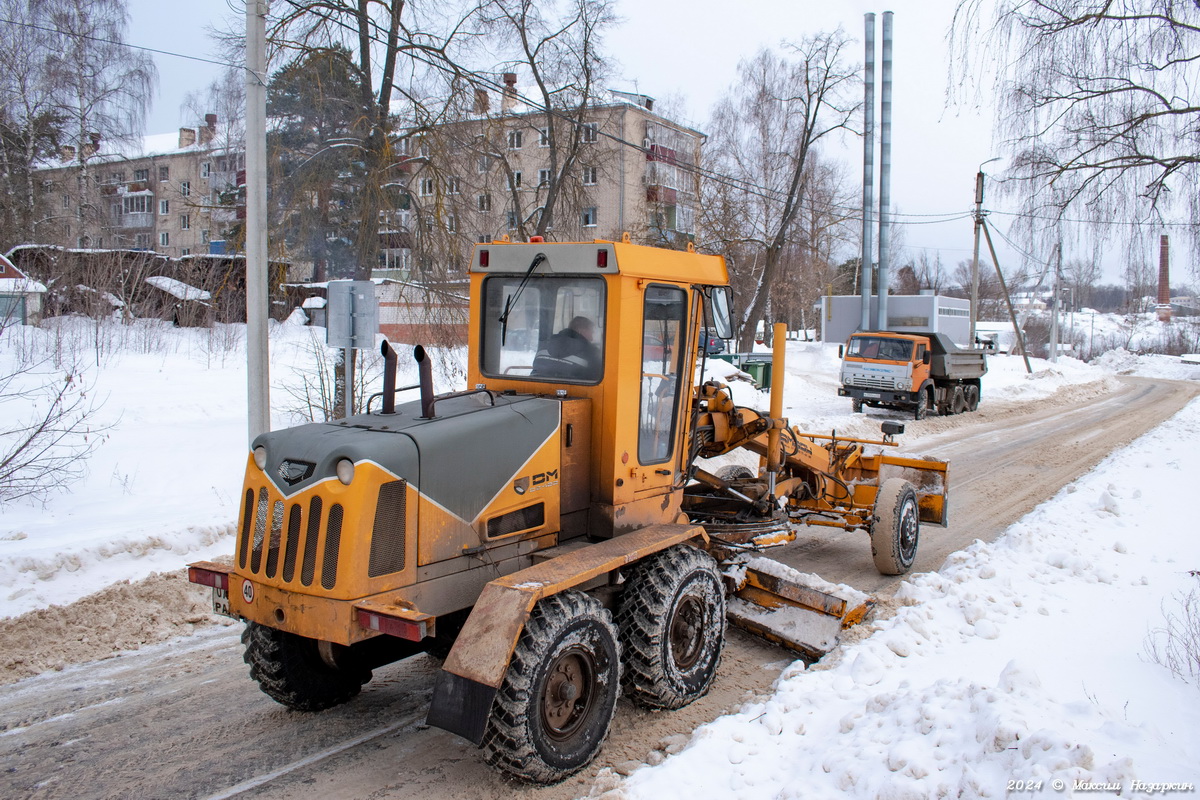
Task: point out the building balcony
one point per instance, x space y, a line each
136 220
661 194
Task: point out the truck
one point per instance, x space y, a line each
919 372
553 532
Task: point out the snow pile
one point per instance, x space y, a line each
997 673
1123 362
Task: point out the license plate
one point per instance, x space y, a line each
221 602
872 395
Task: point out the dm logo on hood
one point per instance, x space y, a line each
292 472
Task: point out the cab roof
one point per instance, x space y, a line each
600 257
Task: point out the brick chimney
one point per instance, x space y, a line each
92 146
67 152
509 101
482 101
209 131
1164 280
187 137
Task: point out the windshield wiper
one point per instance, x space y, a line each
512 299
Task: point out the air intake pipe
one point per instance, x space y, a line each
389 378
425 370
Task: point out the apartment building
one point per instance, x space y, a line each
489 176
172 195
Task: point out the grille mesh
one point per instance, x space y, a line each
310 542
387 536
333 541
293 543
247 523
528 517
276 538
260 530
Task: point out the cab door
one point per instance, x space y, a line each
662 385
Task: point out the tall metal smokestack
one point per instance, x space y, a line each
864 283
1164 280
885 175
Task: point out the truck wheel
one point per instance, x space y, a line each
958 401
672 627
897 527
553 709
972 397
735 472
856 406
291 671
921 409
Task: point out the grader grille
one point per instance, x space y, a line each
262 540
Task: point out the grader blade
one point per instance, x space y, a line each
798 610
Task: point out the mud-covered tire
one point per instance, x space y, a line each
672 623
971 393
290 670
897 527
856 406
921 409
958 401
553 710
735 472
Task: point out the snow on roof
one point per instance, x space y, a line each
314 302
21 285
177 289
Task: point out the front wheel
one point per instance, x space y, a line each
293 670
553 710
897 527
856 406
672 623
921 410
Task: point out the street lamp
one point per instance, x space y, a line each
975 258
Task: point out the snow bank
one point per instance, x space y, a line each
1021 661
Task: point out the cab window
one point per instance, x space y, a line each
663 348
553 331
880 347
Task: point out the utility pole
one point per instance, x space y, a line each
1056 284
868 246
257 361
975 257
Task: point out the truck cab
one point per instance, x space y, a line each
921 372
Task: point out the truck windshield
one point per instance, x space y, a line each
554 330
879 347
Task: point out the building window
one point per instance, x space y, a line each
164 174
512 220
485 202
164 239
515 139
452 223
205 168
136 204
589 217
426 187
185 222
543 137
204 236
141 174
589 176
185 188
453 186
116 177
514 180
142 241
66 201
482 164
543 177
590 132
187 251
164 207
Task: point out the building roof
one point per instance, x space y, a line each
14 281
177 289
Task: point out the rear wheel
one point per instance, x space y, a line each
299 672
553 710
897 527
958 401
972 397
672 627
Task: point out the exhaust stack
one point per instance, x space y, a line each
425 369
389 378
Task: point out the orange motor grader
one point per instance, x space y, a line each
551 532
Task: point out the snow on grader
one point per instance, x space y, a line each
552 532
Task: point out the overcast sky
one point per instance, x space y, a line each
690 49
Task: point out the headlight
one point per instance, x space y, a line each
903 385
345 471
260 457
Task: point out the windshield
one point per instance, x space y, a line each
879 347
554 330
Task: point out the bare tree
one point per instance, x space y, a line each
103 88
1081 276
1097 102
764 134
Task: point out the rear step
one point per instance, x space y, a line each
798 610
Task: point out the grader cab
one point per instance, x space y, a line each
552 532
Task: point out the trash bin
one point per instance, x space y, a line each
756 365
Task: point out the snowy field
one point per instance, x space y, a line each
1021 661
